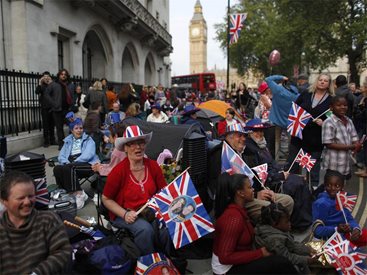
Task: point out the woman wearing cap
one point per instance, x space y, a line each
75 158
157 116
129 186
315 102
262 110
229 120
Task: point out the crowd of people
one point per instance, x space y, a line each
253 219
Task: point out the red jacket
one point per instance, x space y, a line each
234 236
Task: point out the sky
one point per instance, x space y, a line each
181 12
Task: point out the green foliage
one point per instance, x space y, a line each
306 32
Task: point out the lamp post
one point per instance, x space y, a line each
228 37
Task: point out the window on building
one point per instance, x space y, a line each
149 5
157 15
165 24
60 54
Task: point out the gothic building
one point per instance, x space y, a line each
122 40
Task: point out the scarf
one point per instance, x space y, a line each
260 142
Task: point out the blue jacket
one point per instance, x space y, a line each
88 150
281 102
324 209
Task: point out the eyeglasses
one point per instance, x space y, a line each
138 143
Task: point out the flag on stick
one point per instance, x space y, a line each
235 26
304 159
232 163
345 201
262 172
297 120
183 211
345 256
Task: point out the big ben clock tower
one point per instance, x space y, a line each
198 40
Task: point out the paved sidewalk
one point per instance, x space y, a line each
356 186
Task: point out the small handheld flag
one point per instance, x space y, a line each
262 172
297 120
345 201
305 160
183 211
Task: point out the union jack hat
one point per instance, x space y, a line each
132 133
237 127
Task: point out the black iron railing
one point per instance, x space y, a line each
19 106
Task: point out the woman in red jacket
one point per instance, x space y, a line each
233 251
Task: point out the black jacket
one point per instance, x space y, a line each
312 132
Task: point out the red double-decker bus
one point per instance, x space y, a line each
203 82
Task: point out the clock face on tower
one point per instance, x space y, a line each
195 31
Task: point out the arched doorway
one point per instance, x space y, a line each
130 64
149 71
94 56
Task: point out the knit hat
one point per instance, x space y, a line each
77 121
156 106
189 110
263 86
132 133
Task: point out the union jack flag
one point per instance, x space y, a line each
183 211
345 201
235 26
305 160
153 264
297 120
262 172
344 256
232 163
42 195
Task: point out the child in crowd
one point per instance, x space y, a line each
330 219
273 233
339 137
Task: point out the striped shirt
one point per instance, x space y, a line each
41 245
334 131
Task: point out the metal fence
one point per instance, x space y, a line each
19 106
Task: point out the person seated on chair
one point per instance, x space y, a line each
76 157
233 249
31 241
117 131
157 115
235 137
129 186
279 180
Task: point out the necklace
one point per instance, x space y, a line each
140 182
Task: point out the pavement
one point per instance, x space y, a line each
355 185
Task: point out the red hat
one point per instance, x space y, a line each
263 86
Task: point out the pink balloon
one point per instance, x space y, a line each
274 58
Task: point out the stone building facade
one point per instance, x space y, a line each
122 40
